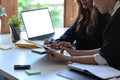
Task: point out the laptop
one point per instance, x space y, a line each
38 24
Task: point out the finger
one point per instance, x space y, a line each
52 40
51 55
61 43
46 41
62 49
70 50
65 44
49 51
54 45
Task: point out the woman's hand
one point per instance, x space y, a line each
55 56
62 45
51 43
68 47
71 51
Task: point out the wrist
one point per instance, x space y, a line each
69 60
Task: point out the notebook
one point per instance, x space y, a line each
72 74
101 71
38 23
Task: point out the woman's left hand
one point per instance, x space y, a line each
51 43
55 56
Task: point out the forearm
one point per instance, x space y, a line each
86 52
84 59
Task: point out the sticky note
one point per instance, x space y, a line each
32 72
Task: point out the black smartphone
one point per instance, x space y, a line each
39 50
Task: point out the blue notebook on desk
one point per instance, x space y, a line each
38 23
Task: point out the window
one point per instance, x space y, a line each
64 8
56 8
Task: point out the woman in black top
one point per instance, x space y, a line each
87 30
109 53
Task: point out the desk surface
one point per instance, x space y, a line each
11 57
14 56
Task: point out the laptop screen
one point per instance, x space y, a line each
37 22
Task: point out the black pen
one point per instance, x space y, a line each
48 42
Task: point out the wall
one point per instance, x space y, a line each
11 7
70 12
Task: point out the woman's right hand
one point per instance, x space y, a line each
63 45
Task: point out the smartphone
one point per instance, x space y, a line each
39 50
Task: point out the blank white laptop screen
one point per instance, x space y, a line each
37 22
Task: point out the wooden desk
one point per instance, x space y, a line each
8 58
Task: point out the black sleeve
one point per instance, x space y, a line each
111 46
70 35
95 40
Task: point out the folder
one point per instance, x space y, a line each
24 44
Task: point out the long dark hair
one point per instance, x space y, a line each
87 18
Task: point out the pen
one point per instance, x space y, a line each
49 42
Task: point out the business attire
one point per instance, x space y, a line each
84 40
110 50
